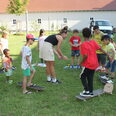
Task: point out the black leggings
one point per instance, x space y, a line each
87 79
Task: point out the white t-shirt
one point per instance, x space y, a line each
4 43
41 41
26 51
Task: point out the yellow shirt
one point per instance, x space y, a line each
97 38
111 47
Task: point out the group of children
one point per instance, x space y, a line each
94 50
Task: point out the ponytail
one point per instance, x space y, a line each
64 30
41 32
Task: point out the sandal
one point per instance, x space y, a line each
32 85
27 92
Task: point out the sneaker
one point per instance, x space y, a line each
57 82
85 94
72 67
49 81
91 93
10 81
78 67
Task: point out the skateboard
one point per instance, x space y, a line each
70 67
35 87
96 93
2 70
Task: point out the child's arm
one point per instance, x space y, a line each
71 44
28 61
104 52
113 55
4 64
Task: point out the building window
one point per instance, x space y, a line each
14 21
65 20
39 21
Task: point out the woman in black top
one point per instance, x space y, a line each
48 51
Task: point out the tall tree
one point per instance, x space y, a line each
17 7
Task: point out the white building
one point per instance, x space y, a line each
53 15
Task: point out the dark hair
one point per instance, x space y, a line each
75 31
27 39
105 37
86 32
95 27
64 30
41 31
5 51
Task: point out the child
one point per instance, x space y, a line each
7 63
100 55
89 62
112 52
75 42
28 70
112 41
3 43
42 37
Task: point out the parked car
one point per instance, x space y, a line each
104 25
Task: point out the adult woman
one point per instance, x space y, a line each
48 51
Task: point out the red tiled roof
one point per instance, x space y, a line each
65 5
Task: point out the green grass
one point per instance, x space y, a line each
56 100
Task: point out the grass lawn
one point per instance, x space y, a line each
56 100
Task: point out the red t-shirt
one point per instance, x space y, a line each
89 48
75 40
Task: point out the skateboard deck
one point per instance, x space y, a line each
70 67
97 92
36 87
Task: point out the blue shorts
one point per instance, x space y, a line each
75 53
101 58
111 65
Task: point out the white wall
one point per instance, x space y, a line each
77 20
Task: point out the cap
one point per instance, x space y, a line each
30 36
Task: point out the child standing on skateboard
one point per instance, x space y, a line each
89 62
75 42
7 64
28 70
112 52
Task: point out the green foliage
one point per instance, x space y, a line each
17 7
3 28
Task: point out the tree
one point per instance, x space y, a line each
17 7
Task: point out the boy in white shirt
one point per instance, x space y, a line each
28 70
